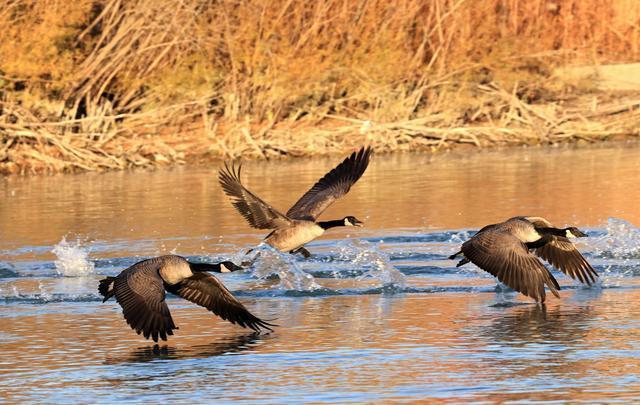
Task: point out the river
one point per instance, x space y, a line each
377 314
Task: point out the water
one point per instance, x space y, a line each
378 314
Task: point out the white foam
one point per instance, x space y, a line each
622 239
269 262
73 259
375 262
620 247
459 238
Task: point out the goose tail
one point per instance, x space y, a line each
106 288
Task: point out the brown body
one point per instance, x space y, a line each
508 251
295 236
140 291
299 226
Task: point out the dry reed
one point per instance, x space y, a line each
109 84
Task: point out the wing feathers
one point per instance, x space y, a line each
207 291
139 291
258 213
505 257
335 184
562 254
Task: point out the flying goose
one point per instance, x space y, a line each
140 291
299 226
504 250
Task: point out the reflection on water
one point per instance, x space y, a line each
378 314
225 346
531 324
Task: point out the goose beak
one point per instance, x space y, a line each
358 223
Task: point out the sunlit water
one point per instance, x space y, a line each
377 314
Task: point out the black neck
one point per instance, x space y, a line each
546 238
205 267
331 224
552 231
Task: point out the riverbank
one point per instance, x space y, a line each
100 85
496 118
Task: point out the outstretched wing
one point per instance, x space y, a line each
140 292
507 258
563 255
332 186
258 213
207 291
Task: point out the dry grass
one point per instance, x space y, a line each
111 84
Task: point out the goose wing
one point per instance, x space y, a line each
561 253
207 291
258 213
140 292
507 258
332 186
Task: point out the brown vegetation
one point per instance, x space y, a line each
111 84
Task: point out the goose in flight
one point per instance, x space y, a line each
504 250
299 226
140 291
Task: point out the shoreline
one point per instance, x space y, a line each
488 118
193 149
202 159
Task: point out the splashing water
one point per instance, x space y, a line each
269 262
622 240
459 238
73 259
376 263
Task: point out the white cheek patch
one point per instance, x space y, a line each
347 222
224 269
570 234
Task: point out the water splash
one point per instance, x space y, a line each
459 238
268 262
73 259
622 240
7 270
375 263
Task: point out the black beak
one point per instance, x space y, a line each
357 222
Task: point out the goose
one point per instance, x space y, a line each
299 226
140 291
504 250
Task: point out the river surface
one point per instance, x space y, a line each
377 314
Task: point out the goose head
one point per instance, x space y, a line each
228 267
573 232
352 221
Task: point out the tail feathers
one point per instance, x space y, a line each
453 256
106 288
463 262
